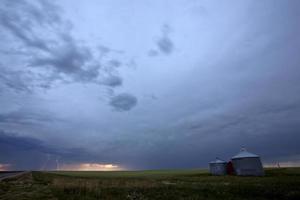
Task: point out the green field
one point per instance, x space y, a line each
281 183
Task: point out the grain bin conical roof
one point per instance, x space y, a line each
244 154
218 160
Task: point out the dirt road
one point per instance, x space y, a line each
5 175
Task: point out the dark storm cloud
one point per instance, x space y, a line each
259 121
23 153
177 150
30 153
52 53
263 119
239 87
123 102
22 143
59 52
71 60
260 115
263 128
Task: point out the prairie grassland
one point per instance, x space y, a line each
163 184
131 174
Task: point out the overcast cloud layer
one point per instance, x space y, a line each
148 84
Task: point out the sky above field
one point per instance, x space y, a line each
119 84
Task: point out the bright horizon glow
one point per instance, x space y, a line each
283 164
90 167
4 167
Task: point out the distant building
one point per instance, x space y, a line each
247 164
218 167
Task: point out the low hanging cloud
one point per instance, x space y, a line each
113 81
19 148
123 102
70 59
164 43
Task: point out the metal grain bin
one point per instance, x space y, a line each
247 164
218 167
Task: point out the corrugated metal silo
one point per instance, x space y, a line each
218 167
247 164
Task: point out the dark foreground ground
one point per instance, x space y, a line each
168 184
5 174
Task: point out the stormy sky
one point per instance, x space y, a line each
130 84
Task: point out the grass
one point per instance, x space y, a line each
131 174
281 183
